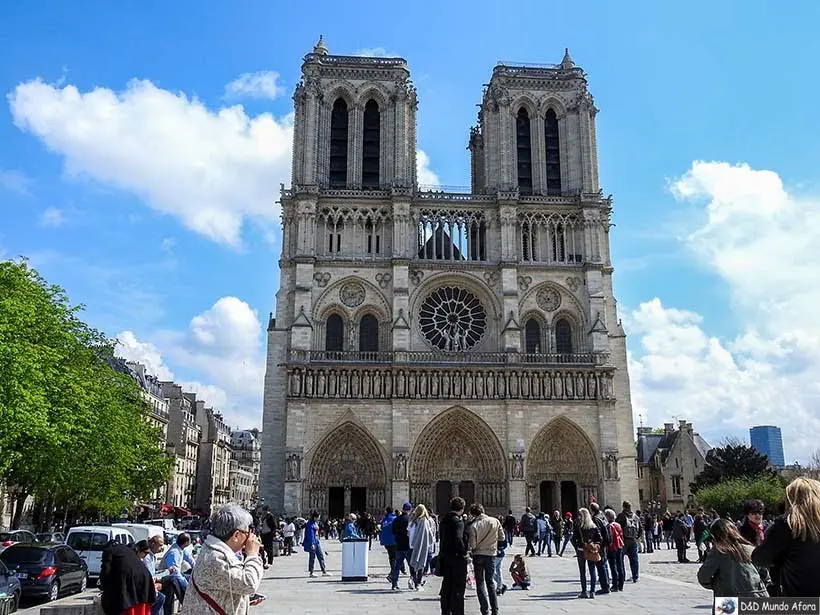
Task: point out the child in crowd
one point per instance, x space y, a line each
519 572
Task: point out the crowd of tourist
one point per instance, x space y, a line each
756 556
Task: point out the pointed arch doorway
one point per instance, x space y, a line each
347 473
458 454
562 468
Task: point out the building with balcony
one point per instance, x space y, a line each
242 484
246 451
213 468
668 461
432 342
184 435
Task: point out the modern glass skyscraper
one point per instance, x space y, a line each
767 440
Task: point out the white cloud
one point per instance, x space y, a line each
424 174
212 170
261 84
167 244
220 354
757 239
15 181
375 52
131 349
52 217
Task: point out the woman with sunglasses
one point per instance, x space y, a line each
223 582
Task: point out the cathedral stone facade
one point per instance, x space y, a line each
430 343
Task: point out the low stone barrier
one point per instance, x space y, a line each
78 605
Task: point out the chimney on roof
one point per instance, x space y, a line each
668 428
684 426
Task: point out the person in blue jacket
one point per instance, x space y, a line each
386 537
350 527
312 545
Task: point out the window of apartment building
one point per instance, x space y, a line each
696 462
640 473
677 463
676 485
640 495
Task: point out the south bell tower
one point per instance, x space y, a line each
430 343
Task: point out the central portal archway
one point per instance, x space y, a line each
457 453
562 468
347 473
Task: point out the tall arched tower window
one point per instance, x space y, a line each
532 336
334 333
553 150
563 337
338 144
371 145
522 139
368 334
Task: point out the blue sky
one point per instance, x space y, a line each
152 201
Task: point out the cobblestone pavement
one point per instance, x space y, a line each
665 586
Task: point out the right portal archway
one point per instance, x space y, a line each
562 468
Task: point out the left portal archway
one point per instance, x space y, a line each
347 473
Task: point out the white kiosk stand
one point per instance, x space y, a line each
354 559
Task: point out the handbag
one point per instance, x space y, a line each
592 552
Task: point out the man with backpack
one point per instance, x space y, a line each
632 527
602 524
528 530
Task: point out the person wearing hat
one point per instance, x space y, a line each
401 533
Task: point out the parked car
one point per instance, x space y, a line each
9 590
56 537
90 540
9 538
46 570
141 531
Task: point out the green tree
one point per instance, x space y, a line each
732 461
730 495
72 430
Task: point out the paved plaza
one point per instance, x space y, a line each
664 585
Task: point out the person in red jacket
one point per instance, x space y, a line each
615 552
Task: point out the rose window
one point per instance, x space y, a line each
452 319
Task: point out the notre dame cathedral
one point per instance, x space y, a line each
430 343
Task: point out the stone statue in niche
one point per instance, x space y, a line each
401 467
611 467
294 463
517 472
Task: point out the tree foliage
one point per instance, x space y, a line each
732 461
730 495
72 430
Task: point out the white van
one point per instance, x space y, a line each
90 540
141 531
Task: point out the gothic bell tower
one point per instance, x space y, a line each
355 124
536 132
